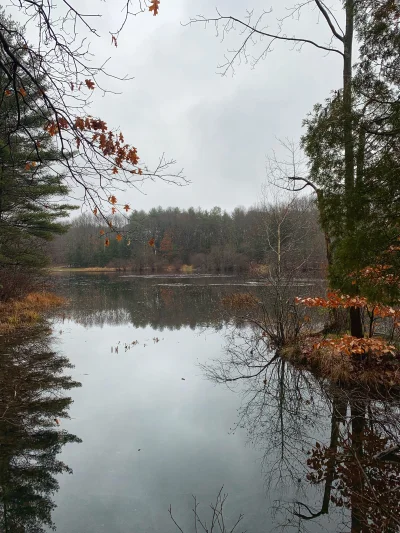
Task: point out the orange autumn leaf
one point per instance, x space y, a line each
119 237
126 207
112 199
111 144
28 166
109 223
152 242
80 123
51 128
113 210
334 300
348 345
90 84
22 91
7 92
95 211
154 6
63 123
102 232
107 242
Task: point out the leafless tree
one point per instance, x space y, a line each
288 228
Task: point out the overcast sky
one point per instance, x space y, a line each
219 129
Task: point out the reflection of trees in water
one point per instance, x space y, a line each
144 302
360 469
280 407
32 385
169 303
333 449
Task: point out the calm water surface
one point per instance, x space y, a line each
153 398
147 429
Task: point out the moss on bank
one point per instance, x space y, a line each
28 311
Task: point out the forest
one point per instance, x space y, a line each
303 305
198 240
346 224
53 147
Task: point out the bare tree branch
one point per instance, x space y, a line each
225 24
54 77
325 13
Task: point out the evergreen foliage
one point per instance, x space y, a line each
31 187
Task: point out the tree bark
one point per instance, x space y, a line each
356 325
348 114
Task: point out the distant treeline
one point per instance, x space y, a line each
285 233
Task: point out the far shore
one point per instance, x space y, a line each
86 269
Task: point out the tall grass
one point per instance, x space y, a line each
27 311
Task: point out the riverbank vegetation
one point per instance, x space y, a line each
26 311
351 143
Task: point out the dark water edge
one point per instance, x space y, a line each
147 429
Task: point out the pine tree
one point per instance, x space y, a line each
362 221
30 182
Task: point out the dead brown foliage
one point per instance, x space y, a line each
372 369
27 311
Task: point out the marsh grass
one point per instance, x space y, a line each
27 311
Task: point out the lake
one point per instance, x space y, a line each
116 415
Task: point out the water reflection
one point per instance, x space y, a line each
332 452
32 385
359 467
327 455
116 300
159 302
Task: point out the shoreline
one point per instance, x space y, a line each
27 312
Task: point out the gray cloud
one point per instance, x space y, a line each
219 129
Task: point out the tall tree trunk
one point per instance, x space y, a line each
356 327
348 114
